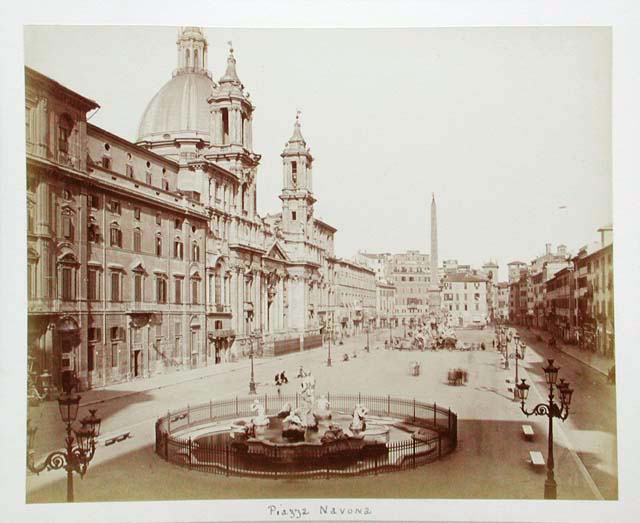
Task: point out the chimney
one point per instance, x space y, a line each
548 248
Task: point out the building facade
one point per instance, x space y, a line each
150 257
464 298
355 287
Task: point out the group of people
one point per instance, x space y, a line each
281 379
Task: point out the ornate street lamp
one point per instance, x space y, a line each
252 382
551 410
80 445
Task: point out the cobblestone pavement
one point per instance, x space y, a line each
490 462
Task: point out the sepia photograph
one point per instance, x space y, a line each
213 307
324 265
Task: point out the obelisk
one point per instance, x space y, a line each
434 244
434 286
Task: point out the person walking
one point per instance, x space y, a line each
283 378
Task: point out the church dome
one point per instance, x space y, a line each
179 109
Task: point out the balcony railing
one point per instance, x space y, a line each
218 308
222 333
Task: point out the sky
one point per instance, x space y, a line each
509 127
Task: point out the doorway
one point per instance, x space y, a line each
137 363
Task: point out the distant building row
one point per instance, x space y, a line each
572 297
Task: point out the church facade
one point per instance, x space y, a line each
149 257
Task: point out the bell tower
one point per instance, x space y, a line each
297 185
231 145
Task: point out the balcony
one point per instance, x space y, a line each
221 333
218 308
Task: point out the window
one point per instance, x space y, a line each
158 245
64 132
137 240
115 207
293 215
129 170
93 287
149 178
94 334
115 286
165 185
67 283
114 354
194 291
177 224
161 289
178 249
137 287
158 219
178 290
136 213
195 252
294 167
94 201
225 126
115 235
67 227
106 162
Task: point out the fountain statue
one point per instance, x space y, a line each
261 418
293 427
333 433
285 410
358 423
308 386
323 411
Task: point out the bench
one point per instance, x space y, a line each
536 458
528 432
117 439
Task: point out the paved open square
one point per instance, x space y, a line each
490 430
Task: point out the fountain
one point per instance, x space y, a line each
297 435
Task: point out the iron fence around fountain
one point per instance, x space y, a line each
174 444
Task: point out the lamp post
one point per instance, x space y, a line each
368 329
506 350
330 336
519 355
551 410
80 445
252 383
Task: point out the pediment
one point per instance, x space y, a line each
277 253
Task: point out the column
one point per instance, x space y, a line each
238 122
249 142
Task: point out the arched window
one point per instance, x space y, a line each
158 245
165 185
178 249
115 235
195 252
